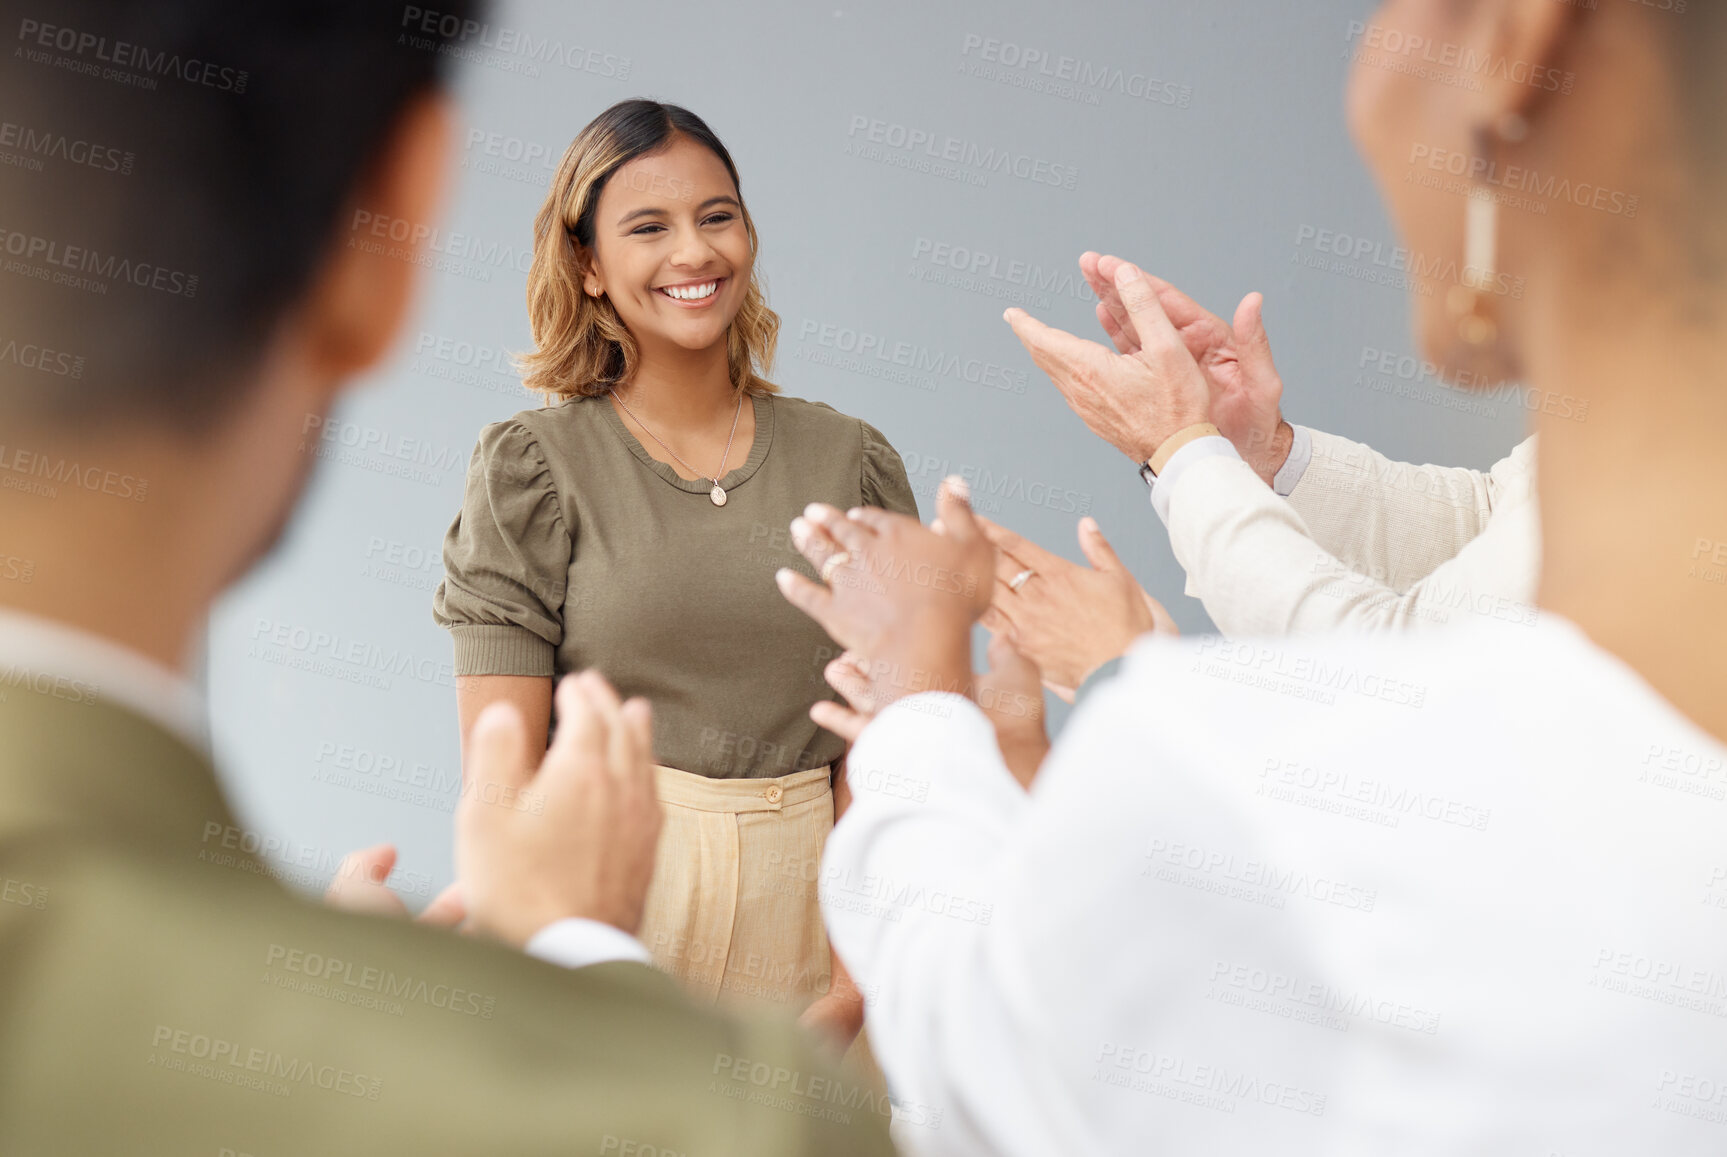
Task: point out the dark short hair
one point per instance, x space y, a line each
171 174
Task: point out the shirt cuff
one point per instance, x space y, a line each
1214 446
1300 454
577 942
501 649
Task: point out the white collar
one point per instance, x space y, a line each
33 648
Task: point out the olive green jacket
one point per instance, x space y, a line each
162 993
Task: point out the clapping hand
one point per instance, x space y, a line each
1009 694
589 851
1067 619
1133 400
358 886
897 592
1246 390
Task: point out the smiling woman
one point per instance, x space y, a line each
634 525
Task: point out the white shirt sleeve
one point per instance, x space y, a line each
578 942
1398 521
1255 563
1294 467
911 878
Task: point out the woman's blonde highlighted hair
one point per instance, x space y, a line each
581 346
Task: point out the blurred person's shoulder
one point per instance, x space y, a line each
1488 685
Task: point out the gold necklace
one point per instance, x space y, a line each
718 493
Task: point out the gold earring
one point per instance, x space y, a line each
1470 301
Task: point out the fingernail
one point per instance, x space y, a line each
958 486
783 577
1088 523
800 527
813 512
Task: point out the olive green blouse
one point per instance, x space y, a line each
576 548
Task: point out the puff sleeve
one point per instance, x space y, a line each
884 481
506 560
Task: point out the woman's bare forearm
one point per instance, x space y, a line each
530 694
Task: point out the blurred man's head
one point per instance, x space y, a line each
179 289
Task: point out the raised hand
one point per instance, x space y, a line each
897 592
358 886
1067 619
1246 389
1011 694
1135 400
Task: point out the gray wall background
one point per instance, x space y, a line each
333 706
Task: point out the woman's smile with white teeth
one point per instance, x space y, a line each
695 292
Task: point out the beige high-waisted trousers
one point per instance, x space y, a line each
732 911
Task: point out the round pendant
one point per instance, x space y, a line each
718 495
